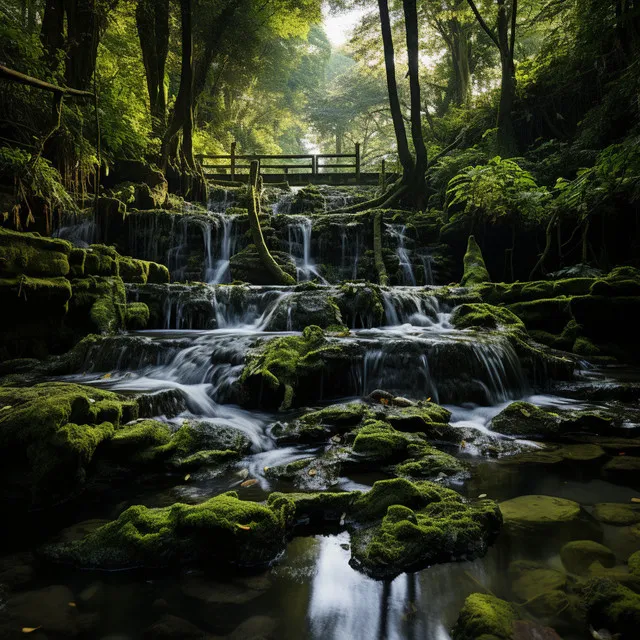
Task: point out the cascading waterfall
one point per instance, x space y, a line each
398 231
228 246
81 231
299 233
404 305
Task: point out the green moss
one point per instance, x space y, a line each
612 606
524 418
624 469
280 364
620 515
323 505
431 464
33 255
379 440
204 459
485 616
621 281
137 316
475 271
158 274
145 433
424 523
578 555
529 580
221 531
101 260
361 304
132 270
76 262
485 316
634 564
53 429
584 347
551 315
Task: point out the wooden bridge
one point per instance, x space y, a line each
296 169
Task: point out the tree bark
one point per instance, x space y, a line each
82 42
52 30
406 160
411 27
152 21
506 133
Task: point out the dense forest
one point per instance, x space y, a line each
320 319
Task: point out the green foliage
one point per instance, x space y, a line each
33 177
498 189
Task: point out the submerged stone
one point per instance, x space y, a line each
578 555
617 514
612 606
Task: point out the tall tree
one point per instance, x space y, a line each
152 22
504 38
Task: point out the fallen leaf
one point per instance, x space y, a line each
384 401
186 478
106 376
428 399
249 483
266 469
244 527
635 499
30 629
482 495
525 413
72 604
463 444
312 472
622 453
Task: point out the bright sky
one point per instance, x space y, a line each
339 26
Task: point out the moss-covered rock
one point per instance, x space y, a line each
475 271
431 463
485 617
423 523
137 316
305 308
246 266
32 255
547 519
48 436
612 606
526 419
485 316
286 370
617 514
319 507
530 580
623 469
578 555
222 531
634 564
361 304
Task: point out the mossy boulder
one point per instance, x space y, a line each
291 369
623 469
530 580
305 308
222 531
634 564
311 474
617 514
136 316
612 606
485 617
548 519
361 304
422 523
485 316
379 441
475 270
431 463
578 555
48 436
526 419
32 255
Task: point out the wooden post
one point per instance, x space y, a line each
233 161
357 162
314 164
384 174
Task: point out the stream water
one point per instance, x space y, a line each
313 592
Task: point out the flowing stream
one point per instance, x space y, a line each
198 355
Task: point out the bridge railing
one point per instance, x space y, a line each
305 164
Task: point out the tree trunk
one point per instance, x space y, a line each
506 133
418 186
82 42
52 30
406 160
460 50
186 78
152 21
271 266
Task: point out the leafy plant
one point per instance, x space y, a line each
498 189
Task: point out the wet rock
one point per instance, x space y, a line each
170 627
547 519
305 308
312 474
572 453
619 573
431 464
244 533
623 469
246 266
617 514
529 579
526 419
613 607
255 628
485 616
17 569
578 555
422 523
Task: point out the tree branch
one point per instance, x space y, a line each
483 24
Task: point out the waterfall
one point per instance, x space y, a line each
228 244
81 231
411 306
299 236
398 231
